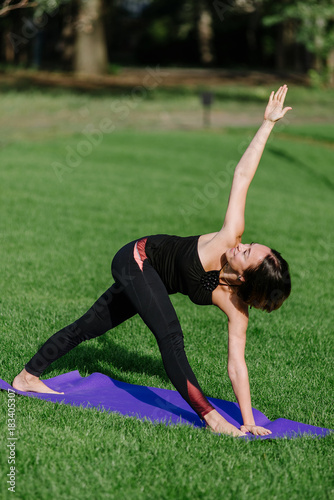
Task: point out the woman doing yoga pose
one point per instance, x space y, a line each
213 268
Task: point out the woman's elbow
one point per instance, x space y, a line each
237 370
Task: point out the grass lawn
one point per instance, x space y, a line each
65 211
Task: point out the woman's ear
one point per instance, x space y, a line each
241 278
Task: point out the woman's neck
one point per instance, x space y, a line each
228 275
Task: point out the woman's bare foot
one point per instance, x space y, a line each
219 425
26 382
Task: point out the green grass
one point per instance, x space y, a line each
50 112
58 236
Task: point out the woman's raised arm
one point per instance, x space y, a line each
234 222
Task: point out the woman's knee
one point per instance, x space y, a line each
172 338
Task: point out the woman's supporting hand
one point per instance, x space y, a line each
255 429
274 110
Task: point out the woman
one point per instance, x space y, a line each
212 268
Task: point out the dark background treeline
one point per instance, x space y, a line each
99 35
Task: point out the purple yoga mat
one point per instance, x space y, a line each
157 405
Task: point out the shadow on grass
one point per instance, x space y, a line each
106 357
302 166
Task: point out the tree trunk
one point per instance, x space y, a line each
284 45
252 26
330 66
280 55
205 34
90 48
8 48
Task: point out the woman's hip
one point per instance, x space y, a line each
129 258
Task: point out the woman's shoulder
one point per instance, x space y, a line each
205 238
212 248
221 238
229 302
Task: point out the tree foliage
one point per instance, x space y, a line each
228 33
40 6
314 20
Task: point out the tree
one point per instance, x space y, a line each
314 21
90 50
205 33
9 5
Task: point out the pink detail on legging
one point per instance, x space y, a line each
139 253
199 402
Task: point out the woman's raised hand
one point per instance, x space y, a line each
274 110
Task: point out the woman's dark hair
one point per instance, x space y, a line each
268 285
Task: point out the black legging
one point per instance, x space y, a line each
137 289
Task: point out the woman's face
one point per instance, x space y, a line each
245 255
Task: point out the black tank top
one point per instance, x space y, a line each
177 262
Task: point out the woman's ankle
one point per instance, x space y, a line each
213 418
27 375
